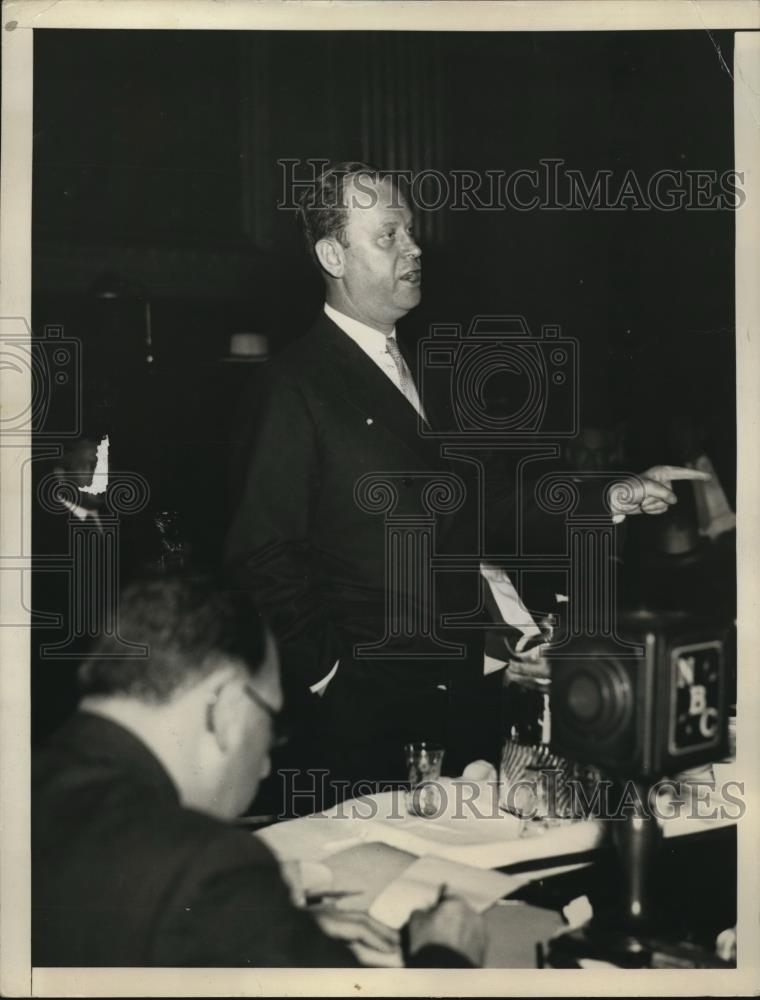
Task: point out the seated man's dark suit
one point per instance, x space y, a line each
315 557
123 875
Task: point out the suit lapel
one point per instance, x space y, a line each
360 380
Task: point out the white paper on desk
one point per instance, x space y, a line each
418 887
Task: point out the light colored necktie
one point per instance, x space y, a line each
406 382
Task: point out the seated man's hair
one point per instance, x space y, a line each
322 213
189 624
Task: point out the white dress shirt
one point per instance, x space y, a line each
373 343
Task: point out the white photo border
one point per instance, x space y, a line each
19 19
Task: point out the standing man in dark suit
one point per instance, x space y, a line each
368 663
134 860
344 406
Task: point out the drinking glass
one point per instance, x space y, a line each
424 761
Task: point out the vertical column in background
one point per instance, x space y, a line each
403 104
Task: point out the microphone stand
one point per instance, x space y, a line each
628 933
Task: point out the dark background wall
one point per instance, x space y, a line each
155 161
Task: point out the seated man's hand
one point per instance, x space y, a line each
649 493
372 942
452 924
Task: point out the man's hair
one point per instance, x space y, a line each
189 624
322 212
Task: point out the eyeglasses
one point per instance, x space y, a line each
280 735
279 732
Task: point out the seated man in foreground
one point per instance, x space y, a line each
134 860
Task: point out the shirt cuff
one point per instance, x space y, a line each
491 665
322 684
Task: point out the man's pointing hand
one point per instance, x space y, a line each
649 493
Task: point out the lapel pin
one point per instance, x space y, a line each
370 421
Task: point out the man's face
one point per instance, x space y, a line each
382 274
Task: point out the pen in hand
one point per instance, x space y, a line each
314 899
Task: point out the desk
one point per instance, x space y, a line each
367 842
